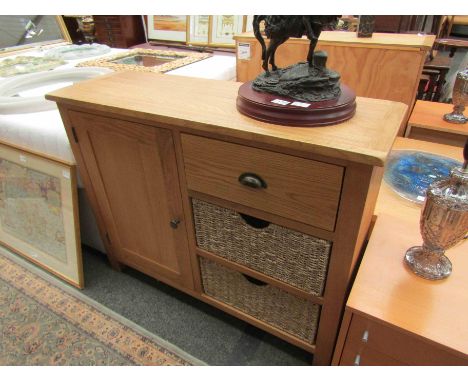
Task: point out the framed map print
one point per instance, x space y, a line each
167 28
224 27
199 27
38 212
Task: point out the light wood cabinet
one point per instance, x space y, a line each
277 249
371 343
426 123
133 174
392 316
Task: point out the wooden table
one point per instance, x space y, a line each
392 316
426 123
385 66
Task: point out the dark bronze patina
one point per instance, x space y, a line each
280 28
306 81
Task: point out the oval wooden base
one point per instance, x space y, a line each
287 111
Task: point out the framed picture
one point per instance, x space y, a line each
167 28
147 60
248 23
223 28
199 28
39 212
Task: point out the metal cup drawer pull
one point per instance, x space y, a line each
252 180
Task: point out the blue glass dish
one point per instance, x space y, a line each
409 173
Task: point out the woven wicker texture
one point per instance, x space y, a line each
278 308
286 255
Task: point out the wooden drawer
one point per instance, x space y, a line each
371 343
296 188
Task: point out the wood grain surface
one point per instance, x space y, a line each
386 290
135 179
427 123
387 346
299 189
210 106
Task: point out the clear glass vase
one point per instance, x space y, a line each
459 98
443 223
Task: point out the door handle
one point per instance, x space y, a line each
174 223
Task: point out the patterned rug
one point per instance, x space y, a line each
43 324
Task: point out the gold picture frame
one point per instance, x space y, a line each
39 212
248 21
202 30
198 30
167 27
223 28
127 60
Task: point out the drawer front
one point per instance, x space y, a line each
372 343
292 257
265 302
299 189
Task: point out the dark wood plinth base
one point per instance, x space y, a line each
289 112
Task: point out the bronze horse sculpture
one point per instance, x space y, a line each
280 28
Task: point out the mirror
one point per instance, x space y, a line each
19 32
145 60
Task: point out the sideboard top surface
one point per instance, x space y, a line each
210 106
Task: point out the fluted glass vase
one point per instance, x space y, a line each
443 223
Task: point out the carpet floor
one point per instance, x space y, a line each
201 330
43 324
182 322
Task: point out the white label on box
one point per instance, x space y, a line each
280 101
22 158
421 198
301 104
243 51
66 174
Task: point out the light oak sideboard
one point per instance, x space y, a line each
385 66
265 222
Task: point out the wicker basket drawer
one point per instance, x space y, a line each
299 189
267 303
286 255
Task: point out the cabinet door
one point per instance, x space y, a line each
134 177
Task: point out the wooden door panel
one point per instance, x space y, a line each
135 179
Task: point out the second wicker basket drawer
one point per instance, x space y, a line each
292 257
267 303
